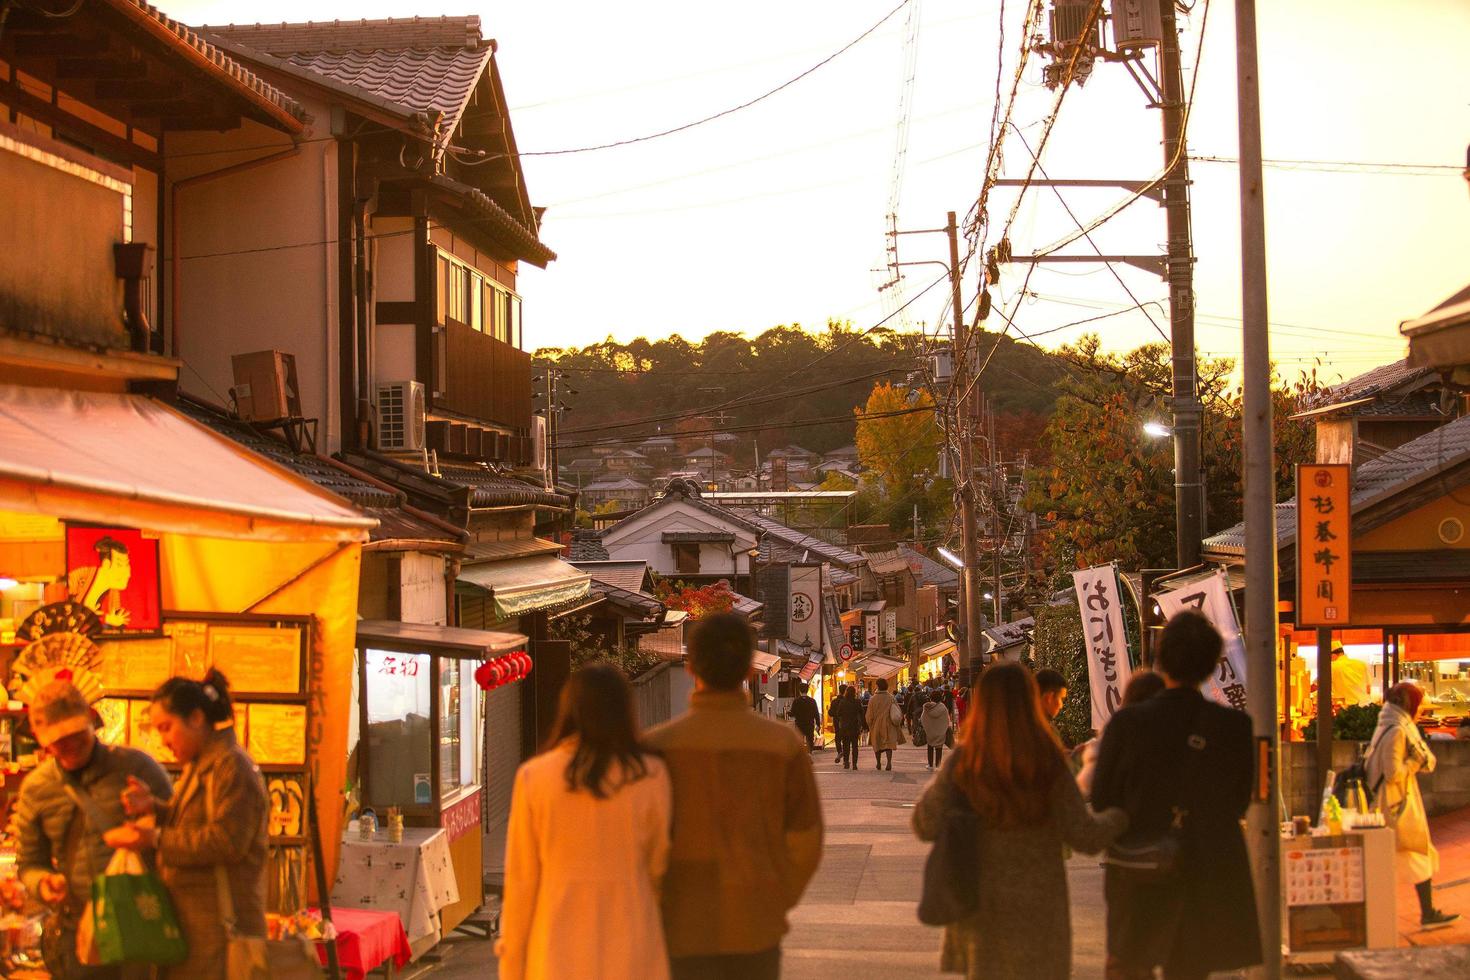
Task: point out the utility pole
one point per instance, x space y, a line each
997 488
1262 819
963 428
1185 403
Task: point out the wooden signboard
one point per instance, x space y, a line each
1324 552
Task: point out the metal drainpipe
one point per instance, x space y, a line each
364 405
173 229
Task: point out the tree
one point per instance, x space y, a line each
899 448
699 601
1107 493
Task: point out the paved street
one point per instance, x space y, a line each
857 919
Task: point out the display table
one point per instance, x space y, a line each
367 940
414 879
1339 893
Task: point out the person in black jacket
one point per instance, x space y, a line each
1178 753
848 722
807 715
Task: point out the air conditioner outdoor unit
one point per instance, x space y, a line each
401 415
1136 24
265 388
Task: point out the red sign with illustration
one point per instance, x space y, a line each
114 572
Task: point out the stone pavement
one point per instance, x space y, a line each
858 917
1451 836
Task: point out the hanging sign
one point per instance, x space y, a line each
1211 599
1108 667
855 637
1324 553
870 629
804 605
890 626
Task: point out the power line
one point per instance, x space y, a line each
1347 166
762 426
718 115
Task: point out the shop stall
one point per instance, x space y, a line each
136 545
419 754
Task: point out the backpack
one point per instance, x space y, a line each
1359 771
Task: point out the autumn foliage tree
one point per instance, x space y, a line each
699 601
1107 491
897 447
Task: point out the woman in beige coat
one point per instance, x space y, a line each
588 845
215 819
883 734
1396 756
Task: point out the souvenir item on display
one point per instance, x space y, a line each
58 656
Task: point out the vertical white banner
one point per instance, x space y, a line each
870 630
804 606
890 626
1108 667
1211 599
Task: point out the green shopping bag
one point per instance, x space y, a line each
132 918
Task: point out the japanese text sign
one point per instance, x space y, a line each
1108 667
1211 599
1324 562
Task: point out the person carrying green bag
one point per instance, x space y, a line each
64 808
130 918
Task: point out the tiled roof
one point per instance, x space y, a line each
927 570
424 64
271 100
394 523
623 484
587 546
781 543
885 561
626 575
1380 380
644 604
494 490
479 204
1446 446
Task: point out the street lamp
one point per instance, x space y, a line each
950 557
1157 430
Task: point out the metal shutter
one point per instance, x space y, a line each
502 756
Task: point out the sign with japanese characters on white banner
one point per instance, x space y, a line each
890 626
870 630
1211 599
1108 667
804 606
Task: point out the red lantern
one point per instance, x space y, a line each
483 676
525 664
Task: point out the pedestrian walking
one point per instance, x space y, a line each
1181 766
747 818
65 806
588 843
847 722
1397 754
935 725
961 705
1010 768
885 725
915 708
807 715
213 827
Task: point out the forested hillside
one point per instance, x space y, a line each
786 385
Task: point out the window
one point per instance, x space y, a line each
474 315
478 301
686 558
398 704
459 716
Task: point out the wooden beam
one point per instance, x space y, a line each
100 68
202 123
135 90
61 46
38 108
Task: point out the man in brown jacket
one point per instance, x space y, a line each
747 819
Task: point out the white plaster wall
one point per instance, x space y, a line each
421 583
640 538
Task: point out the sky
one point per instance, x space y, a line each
776 214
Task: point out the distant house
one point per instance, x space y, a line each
624 492
625 461
848 454
658 446
711 464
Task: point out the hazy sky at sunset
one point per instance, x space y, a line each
776 213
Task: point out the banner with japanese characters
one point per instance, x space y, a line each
1324 553
804 606
1211 599
1108 667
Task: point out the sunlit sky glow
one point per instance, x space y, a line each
776 214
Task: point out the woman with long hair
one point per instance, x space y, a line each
1396 756
588 844
1011 768
211 835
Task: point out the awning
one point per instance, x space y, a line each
880 668
387 634
765 662
809 669
133 461
935 650
527 584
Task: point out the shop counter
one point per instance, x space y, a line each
414 879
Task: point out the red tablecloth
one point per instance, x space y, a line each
366 939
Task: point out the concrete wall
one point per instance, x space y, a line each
258 261
1445 790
